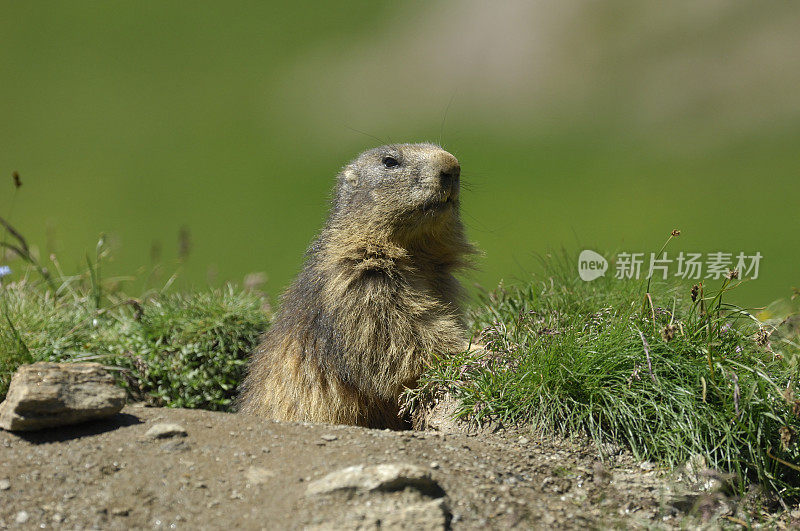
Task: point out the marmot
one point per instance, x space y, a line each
376 297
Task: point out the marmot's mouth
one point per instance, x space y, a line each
450 197
439 204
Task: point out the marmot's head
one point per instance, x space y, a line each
399 187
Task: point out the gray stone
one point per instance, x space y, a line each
44 395
5 484
388 477
164 430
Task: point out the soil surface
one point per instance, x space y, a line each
237 472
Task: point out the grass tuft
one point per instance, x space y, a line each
176 350
685 375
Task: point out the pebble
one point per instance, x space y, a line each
329 437
5 484
362 478
22 517
164 430
258 476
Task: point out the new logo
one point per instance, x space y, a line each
591 265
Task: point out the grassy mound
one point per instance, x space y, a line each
672 374
176 350
171 349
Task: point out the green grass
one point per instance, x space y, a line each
176 350
569 357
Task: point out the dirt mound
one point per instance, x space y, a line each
190 469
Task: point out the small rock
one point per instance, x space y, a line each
389 477
165 430
693 468
44 395
600 473
22 517
523 441
5 484
434 465
329 437
120 511
258 476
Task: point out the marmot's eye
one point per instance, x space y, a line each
390 162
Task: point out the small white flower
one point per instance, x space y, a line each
4 270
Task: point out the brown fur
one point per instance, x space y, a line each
375 299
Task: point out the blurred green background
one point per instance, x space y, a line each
599 125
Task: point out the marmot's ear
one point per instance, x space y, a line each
350 176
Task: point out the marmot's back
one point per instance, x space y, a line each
376 296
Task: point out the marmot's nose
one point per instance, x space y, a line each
448 176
